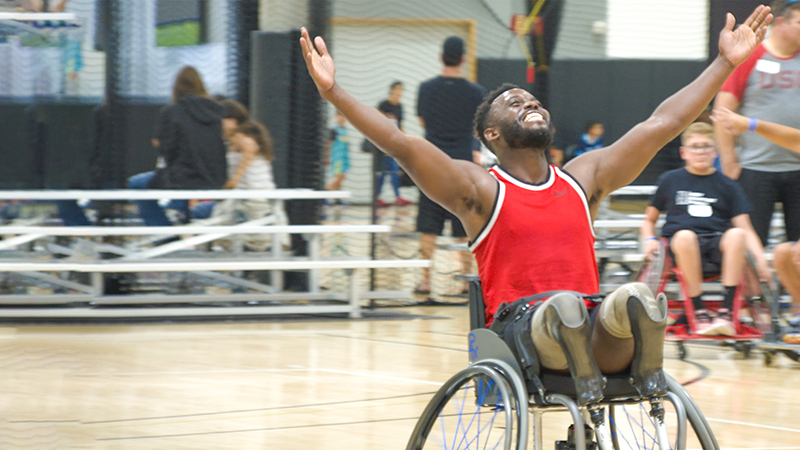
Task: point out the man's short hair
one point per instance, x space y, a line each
481 121
782 8
698 129
452 51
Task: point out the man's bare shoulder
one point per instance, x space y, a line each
584 169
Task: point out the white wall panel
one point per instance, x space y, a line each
658 29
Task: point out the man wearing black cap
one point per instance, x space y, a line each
446 106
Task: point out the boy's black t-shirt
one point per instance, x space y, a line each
704 204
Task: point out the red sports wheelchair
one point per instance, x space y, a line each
751 305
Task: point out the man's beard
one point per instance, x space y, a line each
517 136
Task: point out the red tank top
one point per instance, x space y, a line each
539 238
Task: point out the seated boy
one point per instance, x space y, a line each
707 221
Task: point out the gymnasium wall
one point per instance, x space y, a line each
648 49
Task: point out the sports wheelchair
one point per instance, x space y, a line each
487 406
752 304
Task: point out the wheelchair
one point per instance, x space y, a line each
752 304
491 404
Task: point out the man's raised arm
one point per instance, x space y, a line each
619 164
441 178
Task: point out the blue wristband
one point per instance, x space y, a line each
651 238
753 124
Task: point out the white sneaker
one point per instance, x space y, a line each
722 325
702 323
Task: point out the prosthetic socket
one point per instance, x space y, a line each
561 332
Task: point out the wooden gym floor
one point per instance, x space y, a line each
305 383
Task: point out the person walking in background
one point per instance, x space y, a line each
393 109
765 87
338 148
446 107
191 150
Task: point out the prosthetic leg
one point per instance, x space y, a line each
632 310
561 332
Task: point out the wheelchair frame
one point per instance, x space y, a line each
500 386
757 303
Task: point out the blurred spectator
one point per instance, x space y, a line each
765 87
338 148
555 156
234 114
250 156
43 5
446 107
707 222
189 141
592 139
393 109
787 254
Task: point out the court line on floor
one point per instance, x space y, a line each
251 410
385 377
251 430
759 448
387 341
768 427
411 380
188 372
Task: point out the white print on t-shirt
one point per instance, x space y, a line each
767 66
698 204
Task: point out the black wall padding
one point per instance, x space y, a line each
494 72
619 94
244 20
285 100
307 131
740 9
22 159
283 97
551 15
66 144
65 133
113 134
137 128
270 94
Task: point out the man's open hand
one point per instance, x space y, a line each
736 45
318 61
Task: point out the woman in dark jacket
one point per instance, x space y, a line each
190 145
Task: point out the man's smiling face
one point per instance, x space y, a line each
521 120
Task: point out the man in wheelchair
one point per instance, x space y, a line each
530 223
707 227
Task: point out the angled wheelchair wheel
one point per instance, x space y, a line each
476 409
652 272
633 426
760 302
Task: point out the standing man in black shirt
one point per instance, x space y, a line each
446 106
